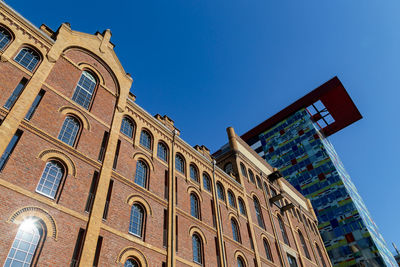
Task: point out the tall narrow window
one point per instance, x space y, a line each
213 213
78 248
166 185
194 206
267 249
321 258
103 147
84 89
27 58
69 130
251 175
257 207
242 207
25 244
176 232
108 199
127 127
240 262
259 184
145 139
197 247
250 236
15 94
283 231
217 251
137 220
141 174
206 182
292 261
5 38
116 155
179 164
193 173
51 178
165 228
92 192
220 192
97 253
231 199
162 152
235 231
9 149
243 170
34 106
131 263
304 245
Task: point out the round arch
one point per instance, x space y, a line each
65 110
49 154
196 230
193 189
31 211
142 156
241 254
138 199
131 252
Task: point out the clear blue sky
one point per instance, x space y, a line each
210 64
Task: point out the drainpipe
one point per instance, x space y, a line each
219 225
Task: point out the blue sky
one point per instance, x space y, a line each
211 64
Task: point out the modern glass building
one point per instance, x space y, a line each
295 141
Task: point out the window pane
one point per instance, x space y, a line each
127 127
141 174
194 206
84 90
162 151
9 149
5 38
206 183
50 179
24 245
283 231
197 249
27 58
136 220
257 207
242 207
240 263
267 250
131 263
145 139
231 199
34 106
220 192
69 131
193 173
243 169
235 231
15 94
179 164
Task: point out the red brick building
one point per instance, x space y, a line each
89 178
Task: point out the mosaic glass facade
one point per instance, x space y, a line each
309 162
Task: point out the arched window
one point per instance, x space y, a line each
257 207
197 247
304 245
266 188
51 178
251 176
141 174
131 263
242 207
206 182
25 244
259 184
194 206
127 127
267 250
283 231
179 163
5 38
69 130
231 199
228 168
162 151
240 262
235 231
193 173
136 221
220 191
321 258
145 139
243 170
84 89
27 58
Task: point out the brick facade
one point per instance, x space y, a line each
165 241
